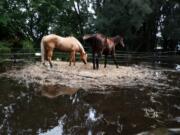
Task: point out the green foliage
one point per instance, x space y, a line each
171 20
138 20
121 16
4 20
27 46
4 47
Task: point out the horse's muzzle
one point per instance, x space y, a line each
85 62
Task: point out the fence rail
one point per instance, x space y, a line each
120 55
19 50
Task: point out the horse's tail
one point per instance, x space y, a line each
42 51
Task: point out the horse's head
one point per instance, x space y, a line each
120 39
84 57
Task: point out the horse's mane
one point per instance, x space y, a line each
97 36
95 39
85 37
89 36
77 41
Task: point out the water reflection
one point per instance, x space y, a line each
58 130
177 67
27 110
91 116
162 131
53 91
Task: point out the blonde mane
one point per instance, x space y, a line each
79 44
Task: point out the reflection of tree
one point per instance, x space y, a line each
29 113
26 112
23 111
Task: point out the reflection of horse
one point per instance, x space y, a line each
64 44
103 45
53 91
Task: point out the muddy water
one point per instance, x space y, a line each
59 110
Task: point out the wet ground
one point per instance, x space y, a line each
59 110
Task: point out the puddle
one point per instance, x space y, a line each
27 108
162 131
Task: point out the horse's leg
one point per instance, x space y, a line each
49 56
71 58
97 61
45 56
114 58
93 59
74 57
105 61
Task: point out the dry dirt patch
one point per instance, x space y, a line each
83 76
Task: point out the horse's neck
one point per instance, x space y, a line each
111 41
115 40
81 51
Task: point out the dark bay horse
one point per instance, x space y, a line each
65 44
103 45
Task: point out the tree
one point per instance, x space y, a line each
138 20
170 24
122 17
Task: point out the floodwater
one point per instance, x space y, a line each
58 110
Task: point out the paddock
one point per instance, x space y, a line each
84 77
142 93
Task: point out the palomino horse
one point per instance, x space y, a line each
103 45
64 44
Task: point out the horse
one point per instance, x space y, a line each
103 45
65 44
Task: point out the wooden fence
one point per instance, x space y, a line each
122 56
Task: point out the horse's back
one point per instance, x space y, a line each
96 41
70 42
66 44
50 37
50 41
